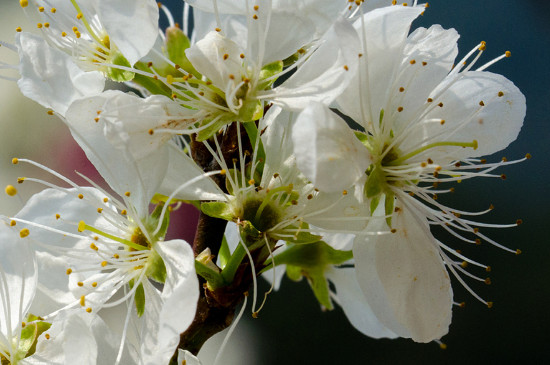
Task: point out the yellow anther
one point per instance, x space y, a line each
256 7
442 346
500 94
225 56
169 79
151 131
99 210
89 310
75 29
11 190
13 223
116 256
104 263
81 226
57 216
39 25
255 17
63 34
46 25
508 53
481 103
18 29
94 284
83 301
528 156
217 29
255 315
401 89
123 212
94 247
79 16
80 283
251 182
412 62
487 281
24 3
222 172
483 47
47 336
518 252
20 180
53 10
14 161
69 271
489 304
344 192
77 34
105 200
346 67
23 324
400 109
41 9
127 193
241 55
24 232
80 196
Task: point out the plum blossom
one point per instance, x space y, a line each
78 46
425 123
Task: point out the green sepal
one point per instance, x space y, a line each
29 335
217 210
224 254
375 181
389 206
364 139
302 237
253 135
154 220
155 87
251 110
176 44
156 269
119 75
269 70
139 298
213 278
311 261
374 203
206 133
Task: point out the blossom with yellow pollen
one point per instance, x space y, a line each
424 123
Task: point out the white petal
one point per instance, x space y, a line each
115 162
177 306
385 32
326 73
466 120
326 149
404 279
216 57
432 52
18 280
355 306
50 77
187 358
132 25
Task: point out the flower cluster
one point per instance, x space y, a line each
314 136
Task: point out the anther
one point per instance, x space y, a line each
53 10
81 226
39 25
424 63
401 89
400 109
99 210
47 336
487 281
20 180
478 241
94 284
430 100
440 105
89 310
500 94
79 16
80 196
24 232
412 62
23 3
83 301
518 252
50 112
11 190
346 67
251 182
442 346
169 79
80 283
94 247
489 304
464 264
481 103
255 17
442 121
14 161
69 271
255 315
18 29
503 177
123 212
528 156
104 263
393 230
13 223
41 9
225 56
256 7
105 200
508 54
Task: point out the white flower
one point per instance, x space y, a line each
81 43
96 245
425 123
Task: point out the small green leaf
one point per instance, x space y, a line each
176 44
224 254
206 133
364 139
217 210
376 181
154 220
374 203
140 300
268 71
251 110
389 204
213 278
156 269
119 75
29 334
319 285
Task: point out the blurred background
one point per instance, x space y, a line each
292 329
